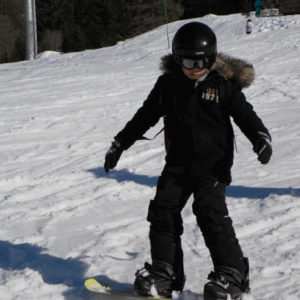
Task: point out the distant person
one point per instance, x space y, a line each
258 5
249 26
197 94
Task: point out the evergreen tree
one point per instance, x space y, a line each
11 30
148 14
84 24
199 8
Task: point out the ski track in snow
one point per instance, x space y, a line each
63 219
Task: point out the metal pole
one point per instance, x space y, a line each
167 21
30 30
35 29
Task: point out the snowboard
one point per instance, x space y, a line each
108 293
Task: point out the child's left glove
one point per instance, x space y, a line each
113 155
263 147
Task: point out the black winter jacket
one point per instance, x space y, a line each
197 119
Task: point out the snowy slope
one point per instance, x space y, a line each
63 219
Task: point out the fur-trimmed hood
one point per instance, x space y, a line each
227 67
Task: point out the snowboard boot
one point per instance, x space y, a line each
227 281
157 279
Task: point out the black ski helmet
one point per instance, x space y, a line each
195 40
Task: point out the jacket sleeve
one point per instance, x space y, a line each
245 116
145 117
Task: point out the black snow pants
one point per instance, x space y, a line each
210 209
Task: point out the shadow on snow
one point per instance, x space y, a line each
124 175
234 191
55 270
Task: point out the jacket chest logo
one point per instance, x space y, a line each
210 94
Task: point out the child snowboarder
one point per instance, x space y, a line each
196 94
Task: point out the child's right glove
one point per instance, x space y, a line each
113 155
263 147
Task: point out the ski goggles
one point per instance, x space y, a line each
190 64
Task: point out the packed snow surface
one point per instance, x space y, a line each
63 219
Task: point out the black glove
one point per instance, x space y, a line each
263 147
113 155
